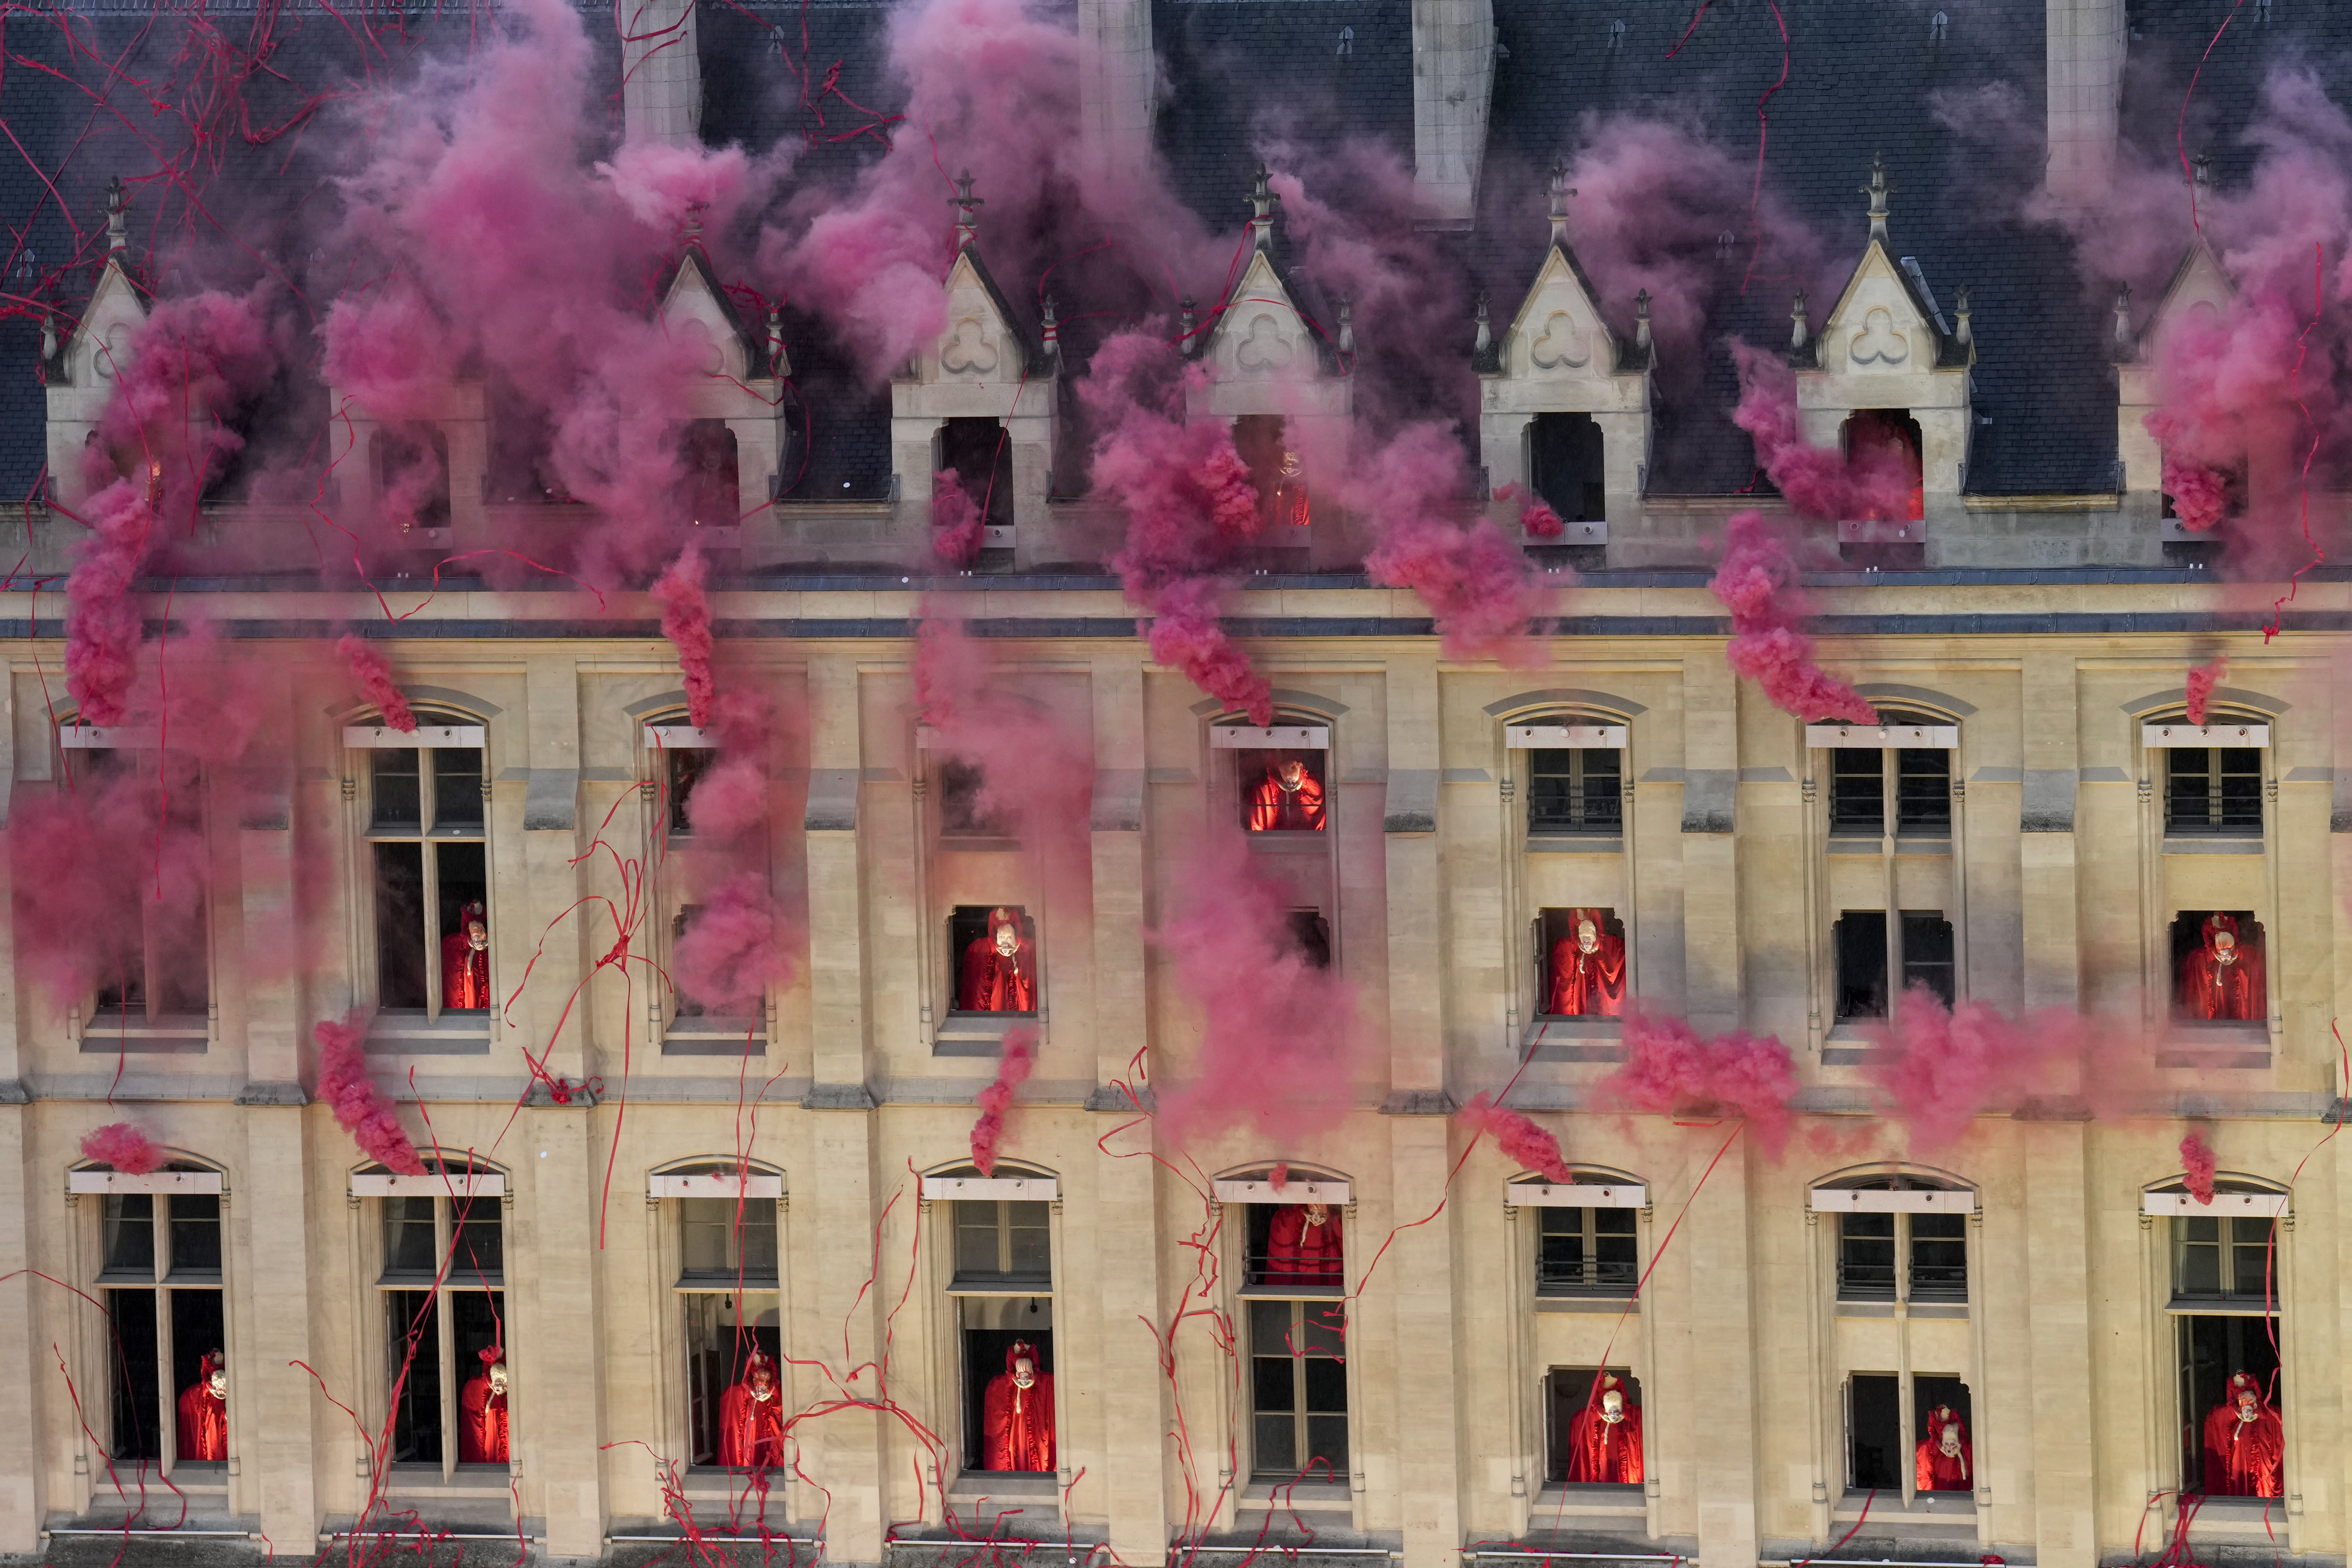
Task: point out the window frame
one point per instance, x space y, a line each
662 742
1299 1414
755 1187
1902 1197
941 1193
91 1021
1594 1286
437 730
161 1280
447 1280
1580 790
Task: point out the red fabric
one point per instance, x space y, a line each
993 982
1276 809
481 1423
1939 1471
465 973
1296 1248
1873 438
751 1429
1606 1453
1017 1424
2212 989
203 1420
1587 984
2243 1458
1290 504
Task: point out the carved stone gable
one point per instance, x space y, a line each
2200 290
979 344
100 345
1261 336
1878 326
1558 332
694 314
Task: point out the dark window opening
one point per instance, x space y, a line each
412 1248
1858 791
1859 938
1884 443
1912 1256
713 496
153 949
2213 790
724 1331
138 1376
1575 790
2219 968
2232 499
682 766
2225 1258
412 922
1283 791
980 454
1019 1440
1927 956
1312 935
413 1358
2221 1357
1875 1432
1923 788
967 807
1298 1390
1923 791
412 476
1939 1256
521 436
992 958
1579 971
1570 1392
128 1243
1587 1252
1867 1256
1263 441
1565 466
194 1222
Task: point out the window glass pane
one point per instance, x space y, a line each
1857 792
1273 1384
1939 1258
198 1331
1327 1447
465 892
1275 1453
138 1403
1032 1249
2255 1274
719 1235
681 767
195 1234
409 1246
1865 1257
1270 1327
2188 787
130 1239
1923 791
2239 808
400 923
1322 1329
966 809
1574 791
413 1375
1927 953
722 1330
1616 1252
480 1251
1860 941
1560 1262
394 790
704 1225
456 787
2200 1268
978 1238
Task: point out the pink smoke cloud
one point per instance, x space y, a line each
1941 1068
1819 481
1011 1071
686 622
956 526
374 676
729 799
2197 1161
1756 582
123 1146
110 876
1281 1046
1519 1138
360 1107
1535 517
734 947
1036 769
1478 586
1669 1070
2203 680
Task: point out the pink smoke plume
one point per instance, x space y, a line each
957 530
126 1147
1478 586
1517 1137
729 799
1036 769
2200 496
2197 1159
1535 517
1191 511
735 945
1818 481
686 622
87 913
374 678
1939 1067
1669 1070
1280 1043
1011 1071
1757 583
360 1107
2203 680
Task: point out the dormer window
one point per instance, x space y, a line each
1564 466
1885 441
978 452
412 476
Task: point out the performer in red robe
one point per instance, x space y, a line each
1303 1243
1604 1441
1942 1460
1879 443
2245 1444
466 961
482 1427
2223 978
1588 970
1290 501
1016 1421
1000 969
204 1410
1289 799
752 1418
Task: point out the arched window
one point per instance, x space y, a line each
1002 1228
153 990
2225 1314
723 1220
1295 1276
160 1278
441 1241
421 807
713 496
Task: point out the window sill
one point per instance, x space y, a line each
1884 1307
422 1279
716 1037
1575 844
2241 1044
427 1480
978 1034
169 1033
972 1485
397 833
712 1282
1559 1038
1595 1302
1922 844
1585 1498
1312 1492
406 1033
2222 1307
1039 1285
2238 1518
1926 1505
977 844
2213 844
1287 841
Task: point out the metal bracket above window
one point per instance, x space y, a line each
1879 1200
1878 737
1268 737
1299 1190
2272 1206
2172 737
1577 1196
1564 737
1030 1189
679 738
432 1184
753 1185
108 738
191 1182
425 737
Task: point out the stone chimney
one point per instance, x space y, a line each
661 74
2084 50
1452 80
1118 81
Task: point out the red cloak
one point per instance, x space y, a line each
2212 989
751 1429
1276 809
204 1419
1587 984
465 973
1016 1425
999 983
2243 1458
481 1423
1605 1452
1936 1470
1311 1254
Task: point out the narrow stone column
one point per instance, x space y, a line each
2046 843
23 1469
1118 86
1709 850
276 1406
1418 1276
2058 1342
2084 50
1452 80
563 1459
661 74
